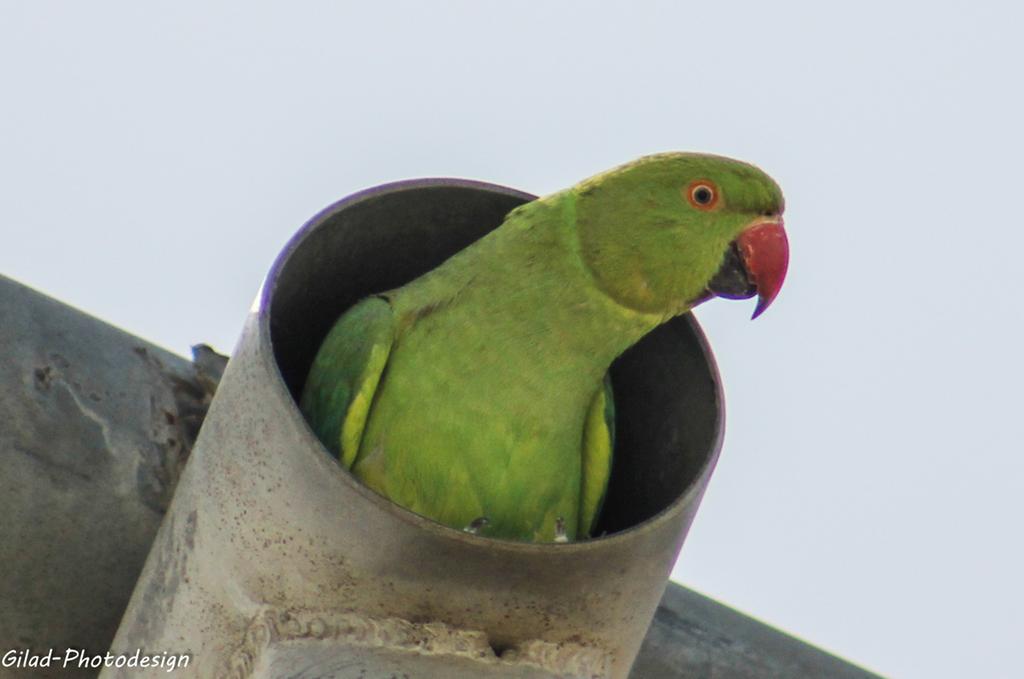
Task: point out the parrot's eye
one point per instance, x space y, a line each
702 194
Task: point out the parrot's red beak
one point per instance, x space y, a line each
755 264
764 250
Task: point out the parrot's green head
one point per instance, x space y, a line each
666 232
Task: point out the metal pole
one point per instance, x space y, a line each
96 424
272 555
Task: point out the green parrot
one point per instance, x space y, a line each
478 394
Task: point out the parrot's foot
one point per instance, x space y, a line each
560 535
476 525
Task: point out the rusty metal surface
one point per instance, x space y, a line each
95 427
265 522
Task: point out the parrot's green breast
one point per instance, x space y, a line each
485 416
472 393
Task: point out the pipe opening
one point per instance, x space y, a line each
666 390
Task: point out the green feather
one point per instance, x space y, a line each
337 396
480 390
598 444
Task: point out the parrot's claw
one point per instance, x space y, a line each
476 525
560 535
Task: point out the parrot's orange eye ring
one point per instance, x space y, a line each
702 194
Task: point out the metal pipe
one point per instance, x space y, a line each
96 425
74 533
272 552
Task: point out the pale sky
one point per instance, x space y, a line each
154 158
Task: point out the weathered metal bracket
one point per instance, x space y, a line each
97 426
264 520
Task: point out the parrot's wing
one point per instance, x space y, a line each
345 374
598 444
